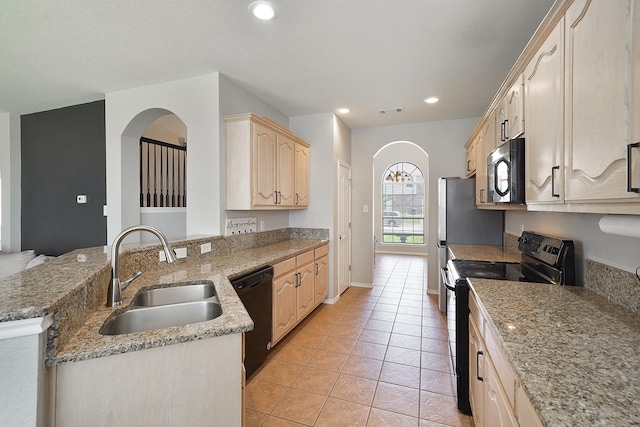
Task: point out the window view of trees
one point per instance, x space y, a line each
403 205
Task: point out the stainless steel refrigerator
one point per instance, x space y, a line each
459 221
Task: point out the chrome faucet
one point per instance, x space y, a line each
114 294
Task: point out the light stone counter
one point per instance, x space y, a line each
483 253
575 353
73 289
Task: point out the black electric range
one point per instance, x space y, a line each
544 259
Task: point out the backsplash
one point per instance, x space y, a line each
140 259
618 286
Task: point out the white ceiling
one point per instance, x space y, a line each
316 56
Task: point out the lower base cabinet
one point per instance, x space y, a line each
197 383
497 398
300 284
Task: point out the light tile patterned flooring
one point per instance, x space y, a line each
378 357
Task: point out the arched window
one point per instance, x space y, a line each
403 205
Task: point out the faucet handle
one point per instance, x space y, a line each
123 285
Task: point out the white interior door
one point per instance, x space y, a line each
344 226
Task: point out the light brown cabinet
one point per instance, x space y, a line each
544 100
321 285
486 143
472 156
267 167
602 84
300 284
510 113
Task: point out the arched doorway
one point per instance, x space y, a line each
163 126
400 186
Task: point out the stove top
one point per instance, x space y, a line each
494 270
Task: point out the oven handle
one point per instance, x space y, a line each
444 272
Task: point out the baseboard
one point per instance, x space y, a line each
361 285
331 300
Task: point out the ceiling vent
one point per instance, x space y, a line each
391 110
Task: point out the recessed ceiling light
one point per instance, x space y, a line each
343 110
432 100
263 10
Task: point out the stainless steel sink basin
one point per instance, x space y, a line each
175 295
161 316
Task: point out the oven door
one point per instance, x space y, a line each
458 334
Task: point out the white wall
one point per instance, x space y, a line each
10 174
443 141
385 158
128 113
617 251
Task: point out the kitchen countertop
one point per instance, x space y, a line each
574 352
483 253
43 290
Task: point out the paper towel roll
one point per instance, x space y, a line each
623 225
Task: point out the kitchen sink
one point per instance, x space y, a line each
137 319
176 294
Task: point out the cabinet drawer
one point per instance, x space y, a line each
321 251
284 267
304 258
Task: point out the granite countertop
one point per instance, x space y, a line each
574 352
483 253
45 289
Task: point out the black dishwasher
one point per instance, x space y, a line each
254 290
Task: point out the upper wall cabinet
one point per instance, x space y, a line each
267 167
510 113
578 84
472 157
544 100
602 87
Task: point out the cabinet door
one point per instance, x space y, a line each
305 290
544 99
263 154
601 38
497 410
476 372
472 157
286 171
321 285
302 176
486 144
514 102
284 305
501 124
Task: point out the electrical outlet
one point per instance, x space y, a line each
82 258
205 248
161 256
181 253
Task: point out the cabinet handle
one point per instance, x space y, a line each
317 268
482 195
630 187
297 198
468 165
478 354
275 197
506 130
298 280
553 181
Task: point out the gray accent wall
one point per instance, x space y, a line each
63 155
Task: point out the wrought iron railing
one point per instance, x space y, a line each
163 176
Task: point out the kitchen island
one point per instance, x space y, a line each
71 292
573 352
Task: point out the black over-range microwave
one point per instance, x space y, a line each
505 173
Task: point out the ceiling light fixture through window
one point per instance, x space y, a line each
263 10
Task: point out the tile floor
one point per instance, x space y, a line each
378 357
